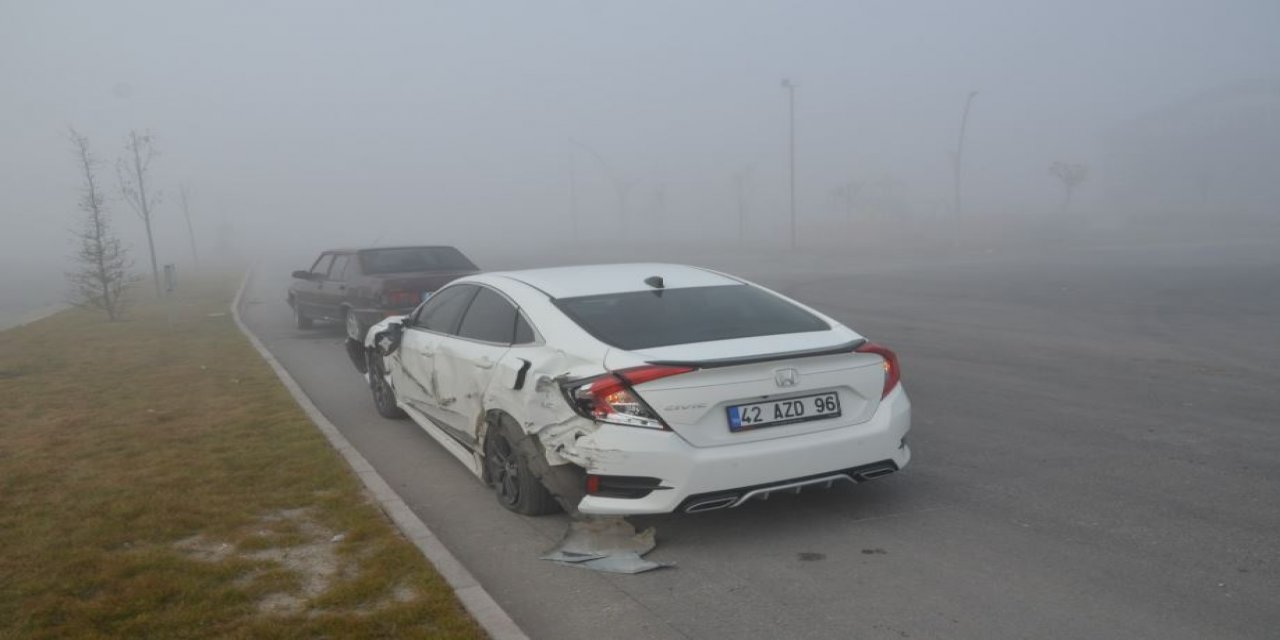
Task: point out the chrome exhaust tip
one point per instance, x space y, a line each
875 472
711 504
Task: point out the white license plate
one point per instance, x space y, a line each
778 412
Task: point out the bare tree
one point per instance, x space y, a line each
621 187
1071 175
846 197
191 232
133 172
102 262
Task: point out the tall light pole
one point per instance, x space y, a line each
959 157
573 195
791 99
741 178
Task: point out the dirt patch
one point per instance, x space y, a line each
291 540
198 547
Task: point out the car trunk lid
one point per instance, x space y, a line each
415 283
733 373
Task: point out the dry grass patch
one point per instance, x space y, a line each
156 480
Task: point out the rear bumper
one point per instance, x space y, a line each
687 471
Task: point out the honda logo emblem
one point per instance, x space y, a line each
786 377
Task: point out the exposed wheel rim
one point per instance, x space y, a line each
504 470
383 396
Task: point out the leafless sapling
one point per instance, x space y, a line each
102 262
1071 175
133 171
191 232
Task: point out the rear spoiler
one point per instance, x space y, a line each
767 357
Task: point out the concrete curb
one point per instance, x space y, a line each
491 617
31 317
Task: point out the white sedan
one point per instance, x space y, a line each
639 388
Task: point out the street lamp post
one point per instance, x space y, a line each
573 196
959 158
791 99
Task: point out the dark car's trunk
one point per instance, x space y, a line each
417 283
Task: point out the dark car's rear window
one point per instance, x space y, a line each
405 259
660 318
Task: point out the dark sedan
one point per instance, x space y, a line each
360 287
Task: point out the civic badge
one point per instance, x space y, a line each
786 377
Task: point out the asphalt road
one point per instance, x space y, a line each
1097 455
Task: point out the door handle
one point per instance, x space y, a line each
483 363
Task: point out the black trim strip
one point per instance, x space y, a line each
524 370
768 357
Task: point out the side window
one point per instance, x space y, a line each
443 311
322 264
490 318
339 266
524 332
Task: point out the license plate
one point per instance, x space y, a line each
778 412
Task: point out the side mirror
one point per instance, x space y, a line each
302 275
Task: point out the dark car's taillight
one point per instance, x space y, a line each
401 298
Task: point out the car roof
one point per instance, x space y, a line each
412 246
595 279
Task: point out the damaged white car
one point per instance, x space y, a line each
639 388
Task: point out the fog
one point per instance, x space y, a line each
543 127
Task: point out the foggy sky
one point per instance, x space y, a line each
322 124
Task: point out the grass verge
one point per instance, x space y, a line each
157 480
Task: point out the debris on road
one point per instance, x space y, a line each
607 544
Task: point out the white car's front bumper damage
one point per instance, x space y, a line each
685 471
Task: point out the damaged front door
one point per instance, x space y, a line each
415 377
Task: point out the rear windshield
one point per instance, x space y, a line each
414 259
660 318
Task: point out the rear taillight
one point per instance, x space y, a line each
401 298
892 372
610 397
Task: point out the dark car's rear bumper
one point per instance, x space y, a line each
369 317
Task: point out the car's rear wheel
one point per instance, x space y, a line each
384 396
507 456
300 319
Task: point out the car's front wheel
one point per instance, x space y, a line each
355 328
507 456
384 395
300 319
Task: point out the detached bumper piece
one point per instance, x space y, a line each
609 545
736 497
